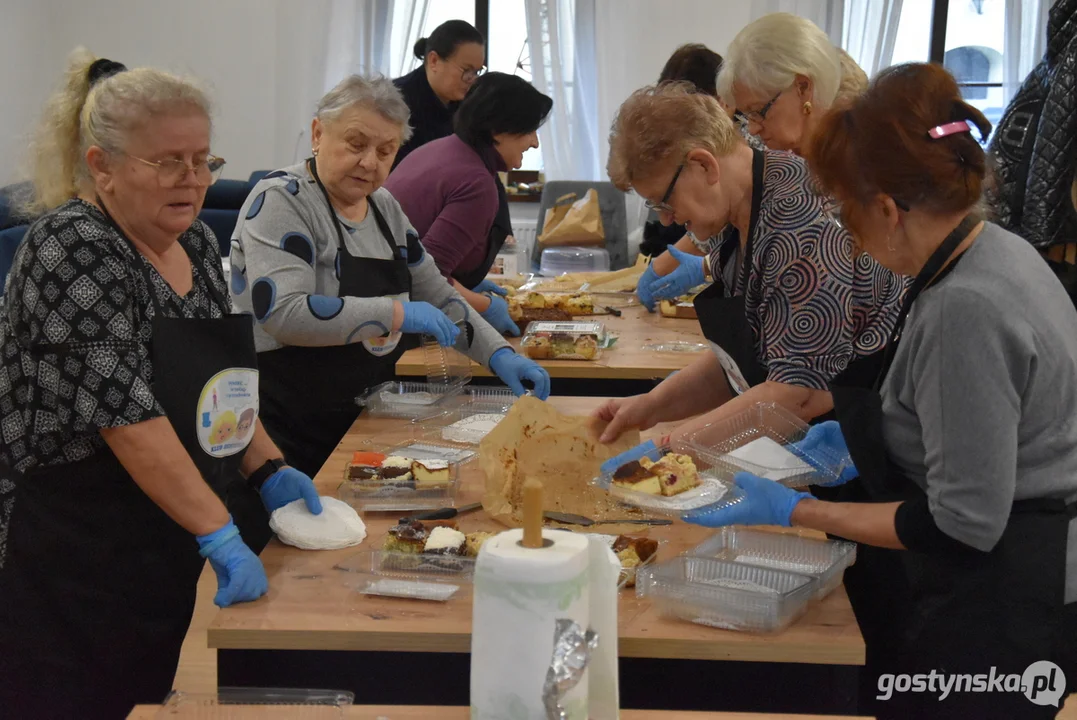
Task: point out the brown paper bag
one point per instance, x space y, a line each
562 452
574 222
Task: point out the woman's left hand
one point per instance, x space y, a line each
689 274
497 314
765 502
513 369
287 485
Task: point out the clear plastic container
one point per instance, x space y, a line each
256 703
418 576
468 426
377 494
760 440
823 560
570 259
712 492
448 367
676 346
563 340
407 400
724 594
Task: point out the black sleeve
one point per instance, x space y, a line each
917 531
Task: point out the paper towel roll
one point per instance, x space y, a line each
519 594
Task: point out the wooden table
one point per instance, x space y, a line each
309 607
627 360
415 712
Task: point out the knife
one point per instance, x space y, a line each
444 513
570 519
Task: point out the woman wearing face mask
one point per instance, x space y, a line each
454 56
964 493
451 192
333 273
789 308
781 73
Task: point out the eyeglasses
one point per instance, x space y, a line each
469 75
758 116
171 172
663 204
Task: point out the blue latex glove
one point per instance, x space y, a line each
240 575
765 503
490 286
823 447
498 316
286 485
421 317
643 287
688 275
513 369
629 455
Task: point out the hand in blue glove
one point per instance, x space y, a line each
765 503
421 317
489 286
688 275
498 316
824 448
240 575
286 485
647 449
513 369
643 287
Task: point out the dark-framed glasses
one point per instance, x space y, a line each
171 171
663 204
470 75
758 116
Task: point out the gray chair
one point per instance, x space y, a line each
612 203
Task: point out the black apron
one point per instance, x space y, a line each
308 393
495 240
954 612
99 584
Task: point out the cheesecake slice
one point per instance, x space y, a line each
636 477
676 473
429 474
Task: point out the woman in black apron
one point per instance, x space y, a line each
451 192
122 443
334 276
964 506
788 308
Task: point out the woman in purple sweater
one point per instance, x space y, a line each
450 190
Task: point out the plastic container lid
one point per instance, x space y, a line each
823 560
724 594
676 346
568 259
416 576
256 704
407 400
712 493
448 367
759 440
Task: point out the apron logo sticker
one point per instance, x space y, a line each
227 410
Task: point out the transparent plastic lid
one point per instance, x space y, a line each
823 560
570 259
257 703
407 400
762 440
724 594
423 566
449 367
563 340
676 346
710 492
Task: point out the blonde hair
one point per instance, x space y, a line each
658 123
854 81
769 53
78 117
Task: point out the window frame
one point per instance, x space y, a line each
940 14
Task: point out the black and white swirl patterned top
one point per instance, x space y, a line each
811 306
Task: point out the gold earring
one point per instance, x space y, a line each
314 152
807 108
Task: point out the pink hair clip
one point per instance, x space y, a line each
941 131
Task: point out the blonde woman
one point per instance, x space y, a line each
120 364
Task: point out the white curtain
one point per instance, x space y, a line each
827 14
870 32
372 36
561 41
1024 44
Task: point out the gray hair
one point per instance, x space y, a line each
78 117
377 93
769 53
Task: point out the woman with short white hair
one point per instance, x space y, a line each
334 274
123 378
783 73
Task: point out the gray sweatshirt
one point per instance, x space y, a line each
284 254
979 405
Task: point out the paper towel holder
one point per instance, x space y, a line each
532 501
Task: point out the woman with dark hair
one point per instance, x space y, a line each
451 193
964 493
454 56
694 63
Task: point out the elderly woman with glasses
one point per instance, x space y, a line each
335 274
122 374
790 307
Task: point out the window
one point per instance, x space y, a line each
507 51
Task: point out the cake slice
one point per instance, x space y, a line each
587 346
406 537
579 304
474 541
632 552
396 469
637 478
676 473
365 466
430 474
444 541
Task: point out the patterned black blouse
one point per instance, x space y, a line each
75 334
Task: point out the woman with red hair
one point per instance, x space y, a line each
965 488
